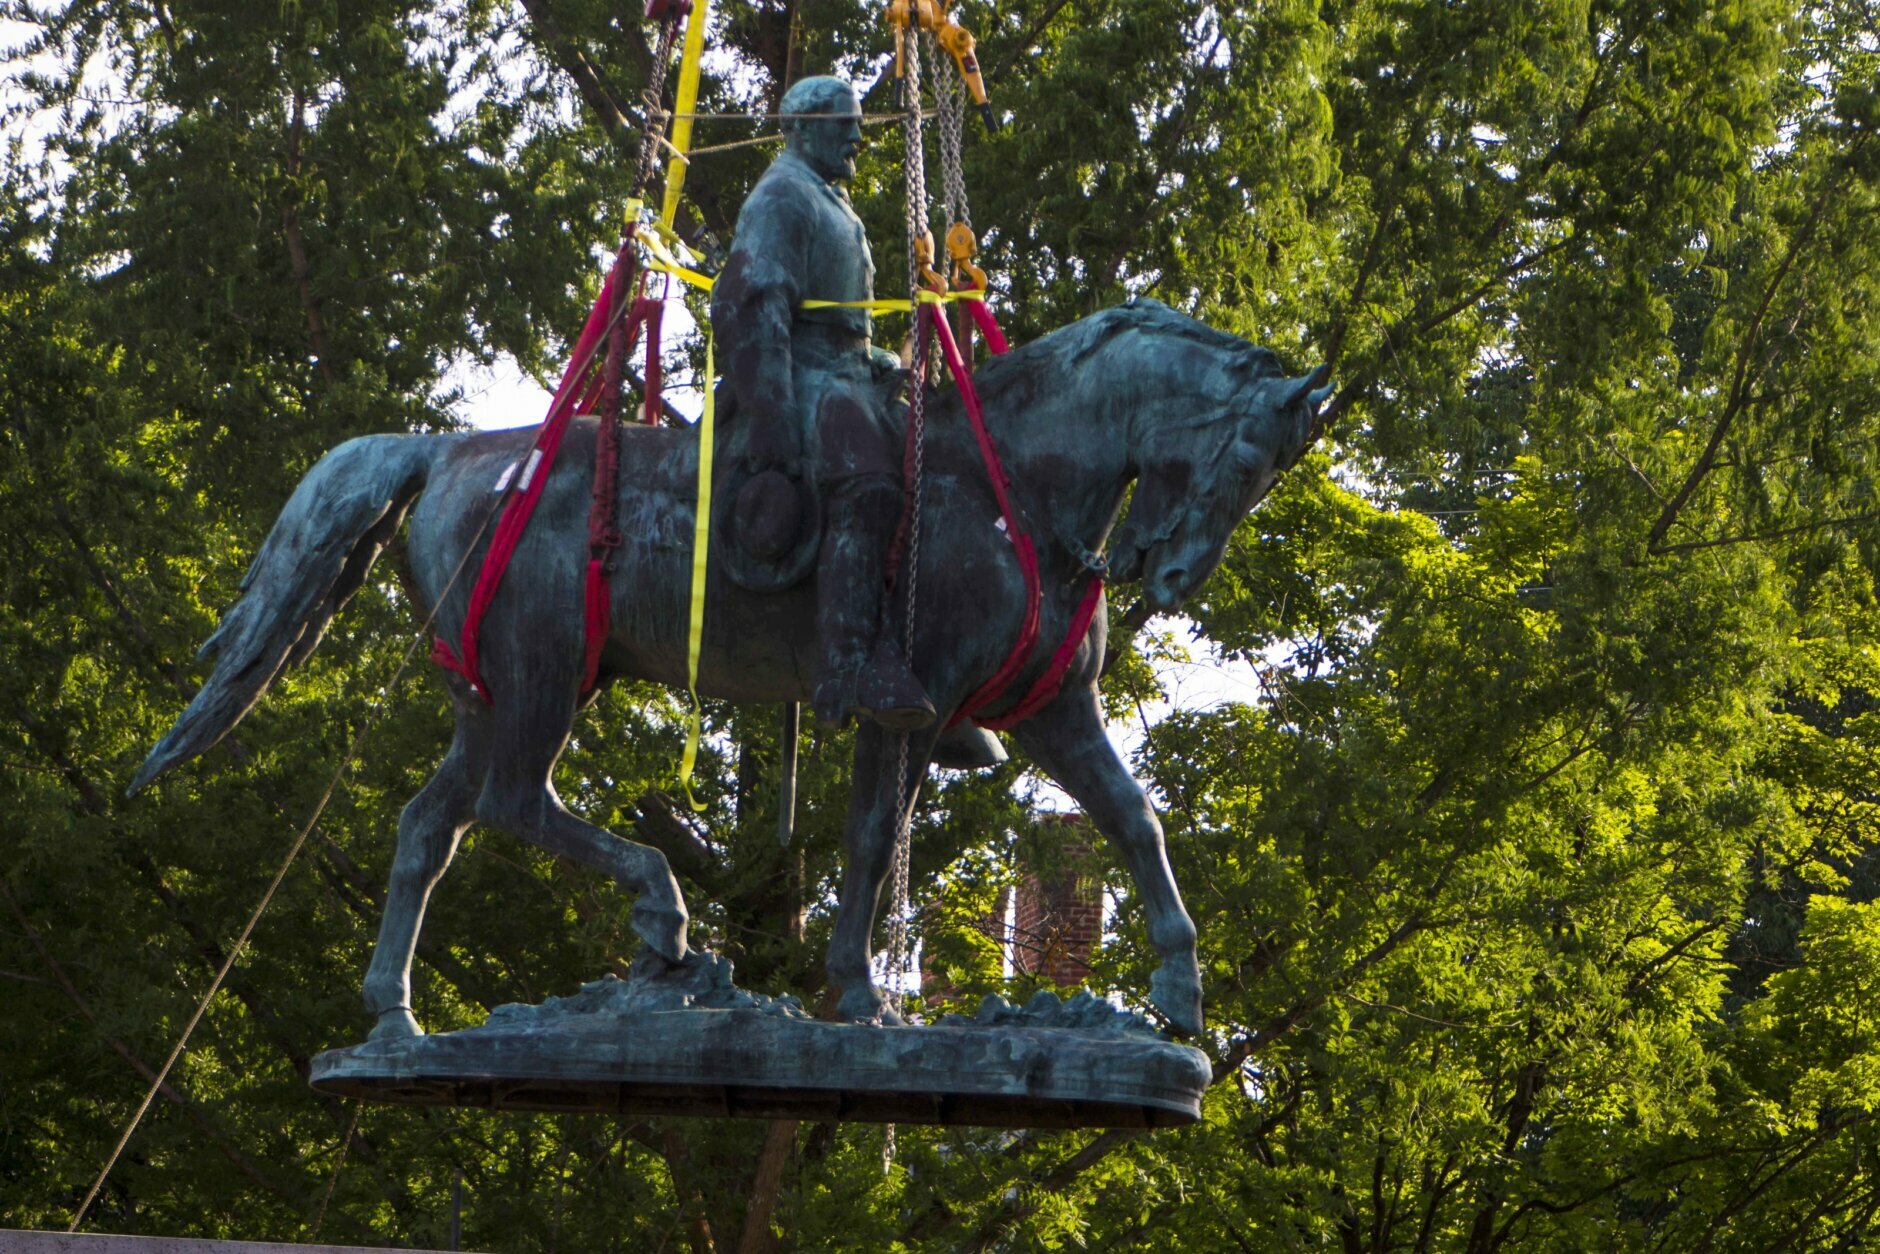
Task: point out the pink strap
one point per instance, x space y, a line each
1046 687
1045 690
603 531
595 621
655 378
988 326
521 502
1021 543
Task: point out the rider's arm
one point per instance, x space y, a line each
753 306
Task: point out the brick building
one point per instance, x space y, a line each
1053 924
1057 920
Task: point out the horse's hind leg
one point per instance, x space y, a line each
428 832
519 797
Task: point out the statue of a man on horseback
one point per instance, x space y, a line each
1201 423
815 396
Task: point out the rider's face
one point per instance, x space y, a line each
829 144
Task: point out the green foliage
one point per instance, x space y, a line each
1537 894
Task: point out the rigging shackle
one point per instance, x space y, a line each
930 278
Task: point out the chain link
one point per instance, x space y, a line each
950 99
653 108
896 959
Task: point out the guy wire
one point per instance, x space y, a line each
241 942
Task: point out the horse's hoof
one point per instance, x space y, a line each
396 1024
662 930
869 1005
1177 994
649 965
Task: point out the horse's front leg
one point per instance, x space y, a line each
875 810
1066 739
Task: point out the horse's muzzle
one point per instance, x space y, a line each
1166 588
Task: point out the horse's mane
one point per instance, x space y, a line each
1068 347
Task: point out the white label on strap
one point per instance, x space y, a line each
528 471
509 472
999 522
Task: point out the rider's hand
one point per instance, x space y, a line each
773 444
885 365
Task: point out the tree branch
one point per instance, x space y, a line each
1025 41
615 116
657 823
167 1089
1056 1180
1693 545
767 1187
1746 347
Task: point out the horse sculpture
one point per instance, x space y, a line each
1200 421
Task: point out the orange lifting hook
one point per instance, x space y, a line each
959 41
961 245
930 278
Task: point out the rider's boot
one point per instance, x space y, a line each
862 671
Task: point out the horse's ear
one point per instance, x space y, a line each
1305 384
1310 387
1319 395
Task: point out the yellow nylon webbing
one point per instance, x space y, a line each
662 259
701 550
683 107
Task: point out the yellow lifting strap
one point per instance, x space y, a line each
660 257
683 108
701 550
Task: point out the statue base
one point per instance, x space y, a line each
691 1043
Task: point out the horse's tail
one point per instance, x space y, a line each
343 513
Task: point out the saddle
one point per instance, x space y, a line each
767 528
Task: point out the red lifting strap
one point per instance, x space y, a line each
604 511
1047 685
579 391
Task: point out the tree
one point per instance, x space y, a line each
1535 897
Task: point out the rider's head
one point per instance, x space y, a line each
822 119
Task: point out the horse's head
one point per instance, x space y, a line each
1200 472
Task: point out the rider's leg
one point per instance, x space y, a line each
862 670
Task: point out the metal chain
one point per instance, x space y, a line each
653 107
916 162
950 97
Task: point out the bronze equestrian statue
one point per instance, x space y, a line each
1200 422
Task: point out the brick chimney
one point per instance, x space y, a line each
1058 919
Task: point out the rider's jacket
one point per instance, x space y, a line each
798 238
